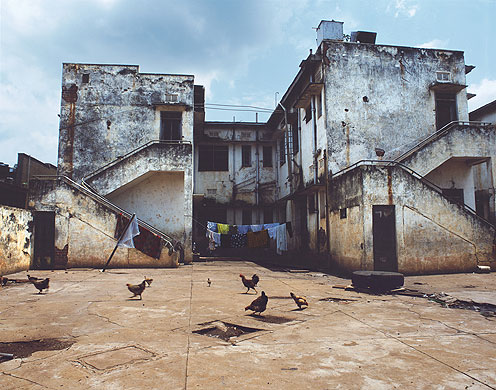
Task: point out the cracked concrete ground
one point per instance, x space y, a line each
343 340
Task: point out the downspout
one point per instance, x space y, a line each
315 167
290 165
257 181
326 180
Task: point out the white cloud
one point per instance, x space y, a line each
434 44
485 91
404 8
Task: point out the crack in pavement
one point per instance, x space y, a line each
419 351
27 380
101 316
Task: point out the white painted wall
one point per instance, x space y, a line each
157 198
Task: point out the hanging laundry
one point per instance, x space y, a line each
225 241
272 232
258 239
233 229
239 240
212 226
270 225
256 228
243 229
223 228
213 237
281 239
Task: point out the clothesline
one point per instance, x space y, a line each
252 236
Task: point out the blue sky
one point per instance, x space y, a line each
243 52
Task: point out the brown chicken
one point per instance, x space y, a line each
250 283
258 305
41 284
300 301
148 281
136 289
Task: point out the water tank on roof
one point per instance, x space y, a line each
329 29
363 36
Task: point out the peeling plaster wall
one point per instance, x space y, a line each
115 112
379 96
156 198
87 228
433 235
16 240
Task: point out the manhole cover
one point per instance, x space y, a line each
224 330
116 357
22 349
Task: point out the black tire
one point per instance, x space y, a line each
377 280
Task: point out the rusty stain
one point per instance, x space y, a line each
390 186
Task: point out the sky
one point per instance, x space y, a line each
243 52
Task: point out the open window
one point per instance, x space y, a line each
267 156
246 156
446 111
170 125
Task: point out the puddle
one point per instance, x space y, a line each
485 309
224 330
22 349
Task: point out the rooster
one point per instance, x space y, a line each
250 283
300 301
148 281
41 284
258 305
136 289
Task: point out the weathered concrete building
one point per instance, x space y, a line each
382 160
370 155
127 136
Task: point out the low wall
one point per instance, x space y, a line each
16 244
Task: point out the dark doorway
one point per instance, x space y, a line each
445 109
44 240
301 219
384 236
170 125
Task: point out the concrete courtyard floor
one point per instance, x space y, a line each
343 340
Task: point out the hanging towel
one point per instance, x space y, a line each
223 228
243 229
258 239
256 228
225 240
272 232
212 226
238 240
281 239
270 225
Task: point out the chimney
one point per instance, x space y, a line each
329 30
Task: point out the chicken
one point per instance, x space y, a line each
33 279
300 301
250 283
41 284
209 282
3 280
258 305
136 289
148 281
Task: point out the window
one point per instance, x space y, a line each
282 152
318 101
342 213
268 215
308 113
267 156
170 125
213 158
296 140
322 205
246 156
312 204
246 217
86 78
443 76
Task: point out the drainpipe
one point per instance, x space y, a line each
290 163
257 182
315 166
326 180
